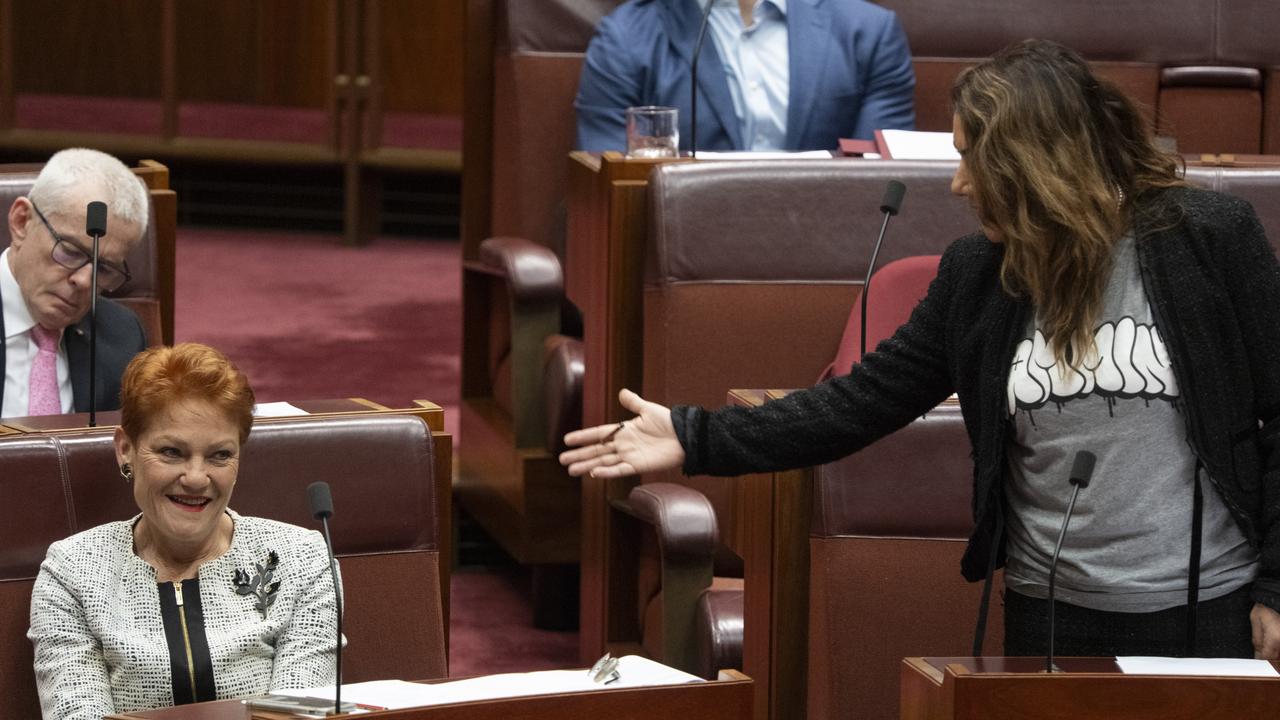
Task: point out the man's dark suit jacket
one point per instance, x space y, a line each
120 337
850 74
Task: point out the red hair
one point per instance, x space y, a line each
160 376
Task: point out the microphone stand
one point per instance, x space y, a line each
1081 470
893 194
95 227
337 596
321 502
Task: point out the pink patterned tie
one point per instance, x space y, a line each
42 392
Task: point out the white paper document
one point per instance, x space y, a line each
764 155
277 409
918 145
633 670
1230 667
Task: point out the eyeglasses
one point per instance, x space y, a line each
73 257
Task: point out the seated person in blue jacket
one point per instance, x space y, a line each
1107 306
187 601
772 74
45 276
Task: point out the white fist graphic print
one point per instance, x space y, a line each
1131 362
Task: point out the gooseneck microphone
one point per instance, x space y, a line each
892 203
693 79
322 509
95 226
1081 472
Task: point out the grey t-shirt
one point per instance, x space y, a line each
1129 540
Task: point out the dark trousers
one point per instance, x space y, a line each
1222 629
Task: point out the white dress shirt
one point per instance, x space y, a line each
20 349
756 61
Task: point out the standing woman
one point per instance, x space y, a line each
187 601
1105 306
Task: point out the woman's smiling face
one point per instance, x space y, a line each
184 468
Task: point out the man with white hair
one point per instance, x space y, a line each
45 286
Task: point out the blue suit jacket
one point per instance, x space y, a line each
850 74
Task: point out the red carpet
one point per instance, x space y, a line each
308 318
492 629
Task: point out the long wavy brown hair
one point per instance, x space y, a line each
1058 161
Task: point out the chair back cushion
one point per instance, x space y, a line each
888 529
385 529
895 291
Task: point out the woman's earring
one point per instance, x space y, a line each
126 472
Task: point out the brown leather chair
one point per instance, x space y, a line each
385 529
889 525
1258 183
150 291
1205 70
688 617
753 267
523 65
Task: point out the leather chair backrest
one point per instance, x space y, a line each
888 528
895 290
1259 185
538 58
1163 67
729 240
385 529
16 181
752 267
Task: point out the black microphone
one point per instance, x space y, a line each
1081 471
95 226
693 80
892 203
322 509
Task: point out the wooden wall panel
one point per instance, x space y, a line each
422 55
268 52
103 48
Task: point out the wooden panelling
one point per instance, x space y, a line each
422 55
101 48
269 52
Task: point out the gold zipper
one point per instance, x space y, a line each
186 638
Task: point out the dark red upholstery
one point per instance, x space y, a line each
1183 61
895 290
385 529
687 618
889 525
1260 185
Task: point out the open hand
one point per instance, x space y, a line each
1266 632
645 443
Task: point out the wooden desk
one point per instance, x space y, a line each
992 688
721 700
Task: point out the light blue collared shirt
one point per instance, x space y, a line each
757 65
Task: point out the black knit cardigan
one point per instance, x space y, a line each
1214 287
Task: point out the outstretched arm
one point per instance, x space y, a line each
645 443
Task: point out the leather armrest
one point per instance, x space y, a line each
532 271
683 518
562 369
